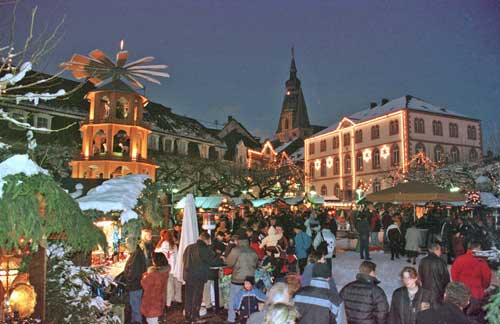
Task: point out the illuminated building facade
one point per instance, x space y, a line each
363 149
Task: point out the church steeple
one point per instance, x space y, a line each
294 121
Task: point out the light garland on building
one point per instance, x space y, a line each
367 155
384 152
329 162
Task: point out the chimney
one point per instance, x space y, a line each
384 101
229 118
373 105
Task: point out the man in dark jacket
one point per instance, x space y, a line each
434 273
363 228
197 258
456 298
243 259
316 303
134 268
365 302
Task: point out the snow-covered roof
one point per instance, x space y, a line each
18 164
405 102
283 146
118 194
298 155
489 200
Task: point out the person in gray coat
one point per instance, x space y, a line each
412 238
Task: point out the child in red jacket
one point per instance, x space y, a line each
154 283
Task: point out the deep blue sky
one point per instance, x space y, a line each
232 57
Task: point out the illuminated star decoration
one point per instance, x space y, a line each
329 162
98 67
384 152
367 155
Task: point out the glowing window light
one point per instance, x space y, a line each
317 164
384 152
367 155
329 162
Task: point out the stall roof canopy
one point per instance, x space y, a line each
294 201
414 192
211 202
489 200
317 200
264 202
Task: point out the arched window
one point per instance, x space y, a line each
420 147
376 159
122 108
454 154
375 132
311 169
336 190
453 130
438 153
193 150
376 185
419 126
121 143
395 155
323 168
473 156
437 128
212 153
336 166
99 143
286 123
359 161
358 136
347 139
347 164
471 132
394 127
324 191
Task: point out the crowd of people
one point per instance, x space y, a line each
278 269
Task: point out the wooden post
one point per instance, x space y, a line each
37 269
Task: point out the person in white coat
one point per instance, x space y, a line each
412 238
325 235
167 246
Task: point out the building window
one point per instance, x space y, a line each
359 161
286 123
323 168
419 148
473 156
438 153
311 148
153 142
324 191
394 127
311 169
167 145
453 130
455 155
336 166
322 145
347 164
375 132
335 142
419 126
437 128
336 190
471 132
395 155
359 136
347 139
376 159
42 122
376 185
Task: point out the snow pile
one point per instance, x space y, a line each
18 164
119 194
15 78
298 155
36 97
4 146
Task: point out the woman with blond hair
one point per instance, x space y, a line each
410 299
278 293
167 246
281 313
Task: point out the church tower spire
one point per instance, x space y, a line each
294 120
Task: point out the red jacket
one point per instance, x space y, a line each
154 283
256 247
472 272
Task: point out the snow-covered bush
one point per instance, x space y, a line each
70 294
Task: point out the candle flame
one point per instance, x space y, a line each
121 45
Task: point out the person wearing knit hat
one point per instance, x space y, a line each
247 300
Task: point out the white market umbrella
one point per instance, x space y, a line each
189 235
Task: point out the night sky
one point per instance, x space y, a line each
232 57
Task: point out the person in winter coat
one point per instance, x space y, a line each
306 278
456 298
412 239
325 235
302 244
408 300
375 226
154 283
365 302
363 228
394 238
473 272
247 300
167 246
433 272
197 258
316 303
312 224
243 260
134 268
